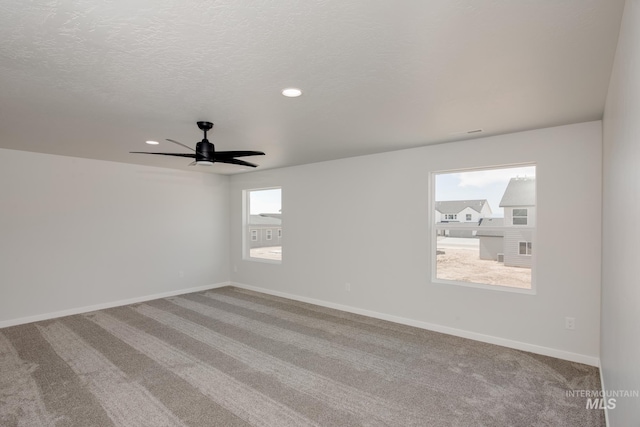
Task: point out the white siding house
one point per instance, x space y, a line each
463 215
264 230
462 210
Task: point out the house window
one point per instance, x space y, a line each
451 216
524 248
263 210
519 216
486 254
279 233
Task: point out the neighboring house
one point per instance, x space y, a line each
265 230
463 215
519 203
491 241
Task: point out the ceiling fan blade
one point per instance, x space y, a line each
235 162
193 156
230 154
181 144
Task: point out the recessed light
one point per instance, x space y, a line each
153 142
291 92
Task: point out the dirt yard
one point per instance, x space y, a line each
270 252
464 265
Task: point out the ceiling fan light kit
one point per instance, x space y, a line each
205 153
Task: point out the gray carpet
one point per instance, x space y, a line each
231 357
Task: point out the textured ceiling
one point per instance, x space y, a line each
95 79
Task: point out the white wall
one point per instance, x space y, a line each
364 220
620 350
77 232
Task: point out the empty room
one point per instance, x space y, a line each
322 213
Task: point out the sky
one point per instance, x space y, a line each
265 201
480 184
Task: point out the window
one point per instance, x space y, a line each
524 248
519 217
279 233
496 251
262 210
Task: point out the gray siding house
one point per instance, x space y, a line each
519 203
264 230
491 241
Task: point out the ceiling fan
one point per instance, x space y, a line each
205 153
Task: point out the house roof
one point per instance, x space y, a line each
457 206
490 222
264 219
521 191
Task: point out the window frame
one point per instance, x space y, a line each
246 211
528 248
525 217
433 229
268 234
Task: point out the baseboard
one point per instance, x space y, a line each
86 309
518 345
604 391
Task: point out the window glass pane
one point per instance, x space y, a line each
264 216
489 251
523 248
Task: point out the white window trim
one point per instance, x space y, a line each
527 243
526 217
433 227
246 247
269 234
254 235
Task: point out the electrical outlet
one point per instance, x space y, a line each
347 287
570 323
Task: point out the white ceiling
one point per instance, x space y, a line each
95 79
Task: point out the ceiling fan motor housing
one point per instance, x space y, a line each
205 151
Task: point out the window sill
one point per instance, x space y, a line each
263 260
499 288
